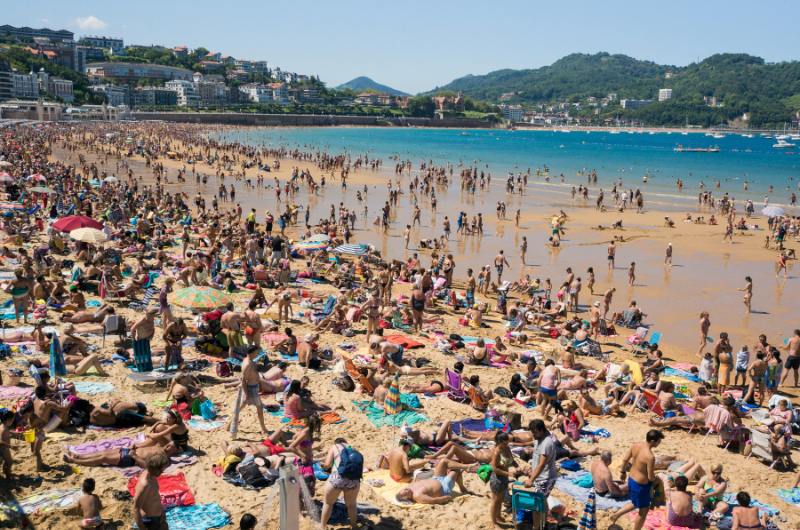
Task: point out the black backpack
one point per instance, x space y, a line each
351 464
503 392
252 476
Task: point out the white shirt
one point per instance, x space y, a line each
705 370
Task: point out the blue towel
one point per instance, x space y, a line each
197 517
789 496
320 473
468 424
94 388
564 484
570 465
731 501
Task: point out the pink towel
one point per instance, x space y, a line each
175 462
717 417
14 392
657 520
104 445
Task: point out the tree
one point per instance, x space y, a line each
421 107
201 52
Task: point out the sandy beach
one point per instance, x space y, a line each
705 275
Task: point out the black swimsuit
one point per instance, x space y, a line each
418 305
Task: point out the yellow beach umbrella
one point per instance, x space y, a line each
88 235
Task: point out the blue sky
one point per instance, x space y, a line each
415 45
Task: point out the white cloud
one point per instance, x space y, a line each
45 21
90 22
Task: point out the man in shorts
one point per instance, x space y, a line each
437 490
793 360
499 262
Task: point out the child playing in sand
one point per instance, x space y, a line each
37 424
5 441
90 506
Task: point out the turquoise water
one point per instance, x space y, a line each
614 156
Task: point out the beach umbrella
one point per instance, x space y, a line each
391 405
73 222
311 245
199 298
38 176
88 235
4 163
773 211
353 250
320 237
589 518
8 205
42 189
5 177
111 179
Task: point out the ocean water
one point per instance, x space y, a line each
626 156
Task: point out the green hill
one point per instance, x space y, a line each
743 84
360 84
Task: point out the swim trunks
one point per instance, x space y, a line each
447 485
273 449
125 459
252 393
640 493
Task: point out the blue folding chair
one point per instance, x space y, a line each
529 500
640 348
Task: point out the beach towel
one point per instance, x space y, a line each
339 514
730 500
93 388
14 392
175 462
564 483
99 428
208 425
403 341
468 424
499 362
328 418
104 445
375 415
57 365
789 496
197 517
42 502
173 490
674 372
589 517
390 488
142 358
473 340
657 520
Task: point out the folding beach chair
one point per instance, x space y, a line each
639 337
474 396
283 277
142 358
397 322
357 376
528 500
761 446
644 346
114 325
725 434
604 332
141 305
316 318
454 391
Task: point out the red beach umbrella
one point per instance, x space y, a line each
73 222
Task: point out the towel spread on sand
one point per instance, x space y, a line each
208 425
730 500
375 415
402 340
197 517
93 388
565 485
44 501
104 445
789 496
674 372
328 418
468 424
657 520
175 462
390 488
173 490
14 392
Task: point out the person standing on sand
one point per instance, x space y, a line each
793 360
499 262
782 266
470 290
574 291
642 477
632 273
148 512
612 253
705 324
590 283
668 255
728 232
748 293
523 248
407 235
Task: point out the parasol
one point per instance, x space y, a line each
38 176
320 237
392 405
773 211
199 298
311 245
111 179
88 235
5 177
354 250
9 205
3 163
73 222
42 189
589 518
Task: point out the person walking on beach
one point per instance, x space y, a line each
499 262
612 253
668 255
705 324
407 235
632 273
523 248
728 232
748 292
793 360
641 479
148 512
782 265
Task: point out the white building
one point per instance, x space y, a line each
116 95
56 85
116 45
187 92
635 103
512 112
243 65
280 93
258 66
664 93
257 93
26 85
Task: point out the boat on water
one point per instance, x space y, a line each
748 136
561 146
769 138
783 144
682 149
795 138
782 137
614 132
465 134
718 136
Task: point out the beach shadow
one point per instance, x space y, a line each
759 313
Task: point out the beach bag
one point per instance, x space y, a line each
208 410
5 351
571 428
485 473
553 333
351 464
456 336
503 392
185 411
382 463
224 369
252 476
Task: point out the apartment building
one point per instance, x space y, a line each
186 91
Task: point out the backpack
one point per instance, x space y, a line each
5 351
503 392
252 476
224 369
351 464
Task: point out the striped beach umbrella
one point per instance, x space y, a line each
88 235
8 205
589 517
38 176
773 211
311 245
391 405
320 237
351 249
5 177
199 298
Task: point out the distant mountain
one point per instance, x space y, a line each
744 87
359 84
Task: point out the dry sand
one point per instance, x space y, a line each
466 511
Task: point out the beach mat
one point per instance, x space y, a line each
402 340
766 509
565 485
197 517
468 424
142 357
789 496
175 462
93 388
173 489
208 425
14 392
104 445
375 415
42 502
657 520
155 375
390 488
328 418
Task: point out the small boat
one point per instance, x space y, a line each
465 134
795 138
748 136
681 149
783 144
768 138
718 136
561 146
782 137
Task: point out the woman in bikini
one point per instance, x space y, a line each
572 421
464 455
183 391
710 491
748 292
20 289
705 324
302 445
590 283
294 407
434 387
577 383
680 512
746 517
478 353
171 429
372 310
385 284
